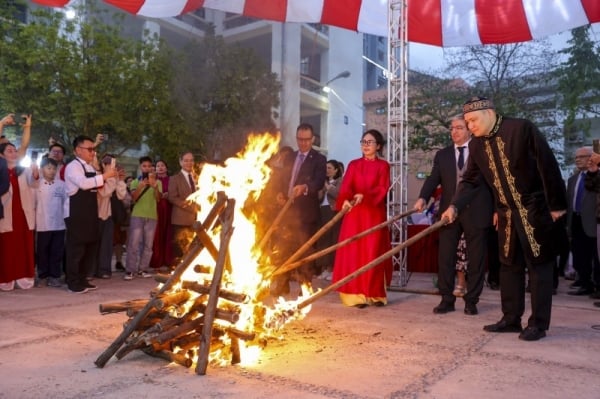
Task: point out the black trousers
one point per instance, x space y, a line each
493 257
50 250
584 252
81 257
512 287
476 239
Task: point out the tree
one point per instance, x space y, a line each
579 82
433 102
84 76
517 77
507 73
222 92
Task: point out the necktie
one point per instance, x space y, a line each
191 181
461 158
579 193
295 170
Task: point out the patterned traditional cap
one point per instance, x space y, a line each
476 104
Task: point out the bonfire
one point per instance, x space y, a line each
214 308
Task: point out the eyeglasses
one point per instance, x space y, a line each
90 149
582 156
367 142
303 139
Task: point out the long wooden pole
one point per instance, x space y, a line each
315 237
215 287
373 263
286 267
282 212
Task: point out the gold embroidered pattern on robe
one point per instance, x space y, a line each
501 196
510 181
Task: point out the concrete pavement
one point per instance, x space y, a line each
50 339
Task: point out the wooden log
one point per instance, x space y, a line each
185 342
116 307
221 314
211 306
147 336
225 294
180 330
234 332
203 269
194 250
170 356
236 357
293 265
175 298
267 236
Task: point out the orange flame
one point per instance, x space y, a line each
243 178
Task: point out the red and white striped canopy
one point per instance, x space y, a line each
444 23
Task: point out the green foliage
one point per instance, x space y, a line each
579 81
432 103
516 76
225 92
87 76
83 76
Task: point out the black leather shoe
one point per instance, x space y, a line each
444 307
597 304
470 309
503 327
581 291
532 334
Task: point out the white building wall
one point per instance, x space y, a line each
286 64
344 127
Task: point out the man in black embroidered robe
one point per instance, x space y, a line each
517 162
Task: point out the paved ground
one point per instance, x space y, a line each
50 339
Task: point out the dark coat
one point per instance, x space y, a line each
517 162
313 174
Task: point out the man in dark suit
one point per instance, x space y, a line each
302 176
475 221
184 211
581 222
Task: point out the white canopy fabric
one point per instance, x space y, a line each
446 23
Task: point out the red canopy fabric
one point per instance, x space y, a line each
446 23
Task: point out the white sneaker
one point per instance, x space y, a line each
128 276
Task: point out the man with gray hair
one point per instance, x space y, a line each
581 223
516 161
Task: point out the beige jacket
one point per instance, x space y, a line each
26 183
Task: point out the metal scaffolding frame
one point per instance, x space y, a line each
397 145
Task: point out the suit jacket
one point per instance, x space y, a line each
313 174
588 207
4 182
183 213
444 173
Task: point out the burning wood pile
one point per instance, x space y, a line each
207 310
178 322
